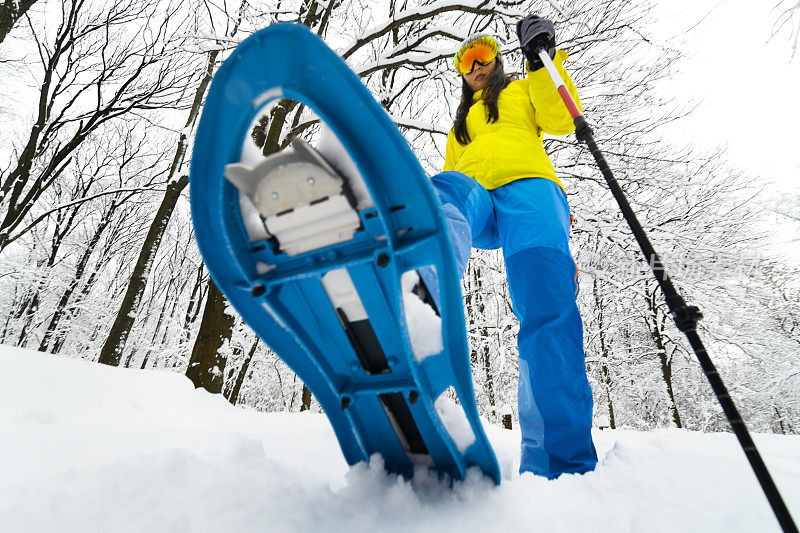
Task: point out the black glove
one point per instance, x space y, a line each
535 32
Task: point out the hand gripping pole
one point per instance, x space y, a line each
685 316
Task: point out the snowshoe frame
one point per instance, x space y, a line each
377 396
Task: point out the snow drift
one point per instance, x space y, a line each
89 447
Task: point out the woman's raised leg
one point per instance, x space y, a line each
467 207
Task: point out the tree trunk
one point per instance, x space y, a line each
306 405
233 397
487 368
604 352
130 358
194 304
779 418
473 299
485 356
29 311
666 372
111 352
10 12
207 364
8 316
666 361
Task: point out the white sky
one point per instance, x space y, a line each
745 83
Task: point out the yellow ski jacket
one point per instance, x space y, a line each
511 148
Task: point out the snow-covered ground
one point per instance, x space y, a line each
85 447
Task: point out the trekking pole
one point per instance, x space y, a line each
685 316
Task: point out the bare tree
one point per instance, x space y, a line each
118 160
114 346
96 68
75 249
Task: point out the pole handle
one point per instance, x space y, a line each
559 83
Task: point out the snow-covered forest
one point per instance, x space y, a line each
100 100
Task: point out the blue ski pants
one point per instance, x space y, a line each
529 219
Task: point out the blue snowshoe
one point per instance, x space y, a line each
322 261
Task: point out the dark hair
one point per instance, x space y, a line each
497 81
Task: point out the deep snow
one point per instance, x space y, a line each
85 447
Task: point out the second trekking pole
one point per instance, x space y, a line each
685 316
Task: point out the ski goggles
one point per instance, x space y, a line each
480 48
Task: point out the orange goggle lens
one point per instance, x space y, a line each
482 52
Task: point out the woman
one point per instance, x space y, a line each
499 190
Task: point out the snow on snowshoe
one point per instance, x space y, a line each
320 257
